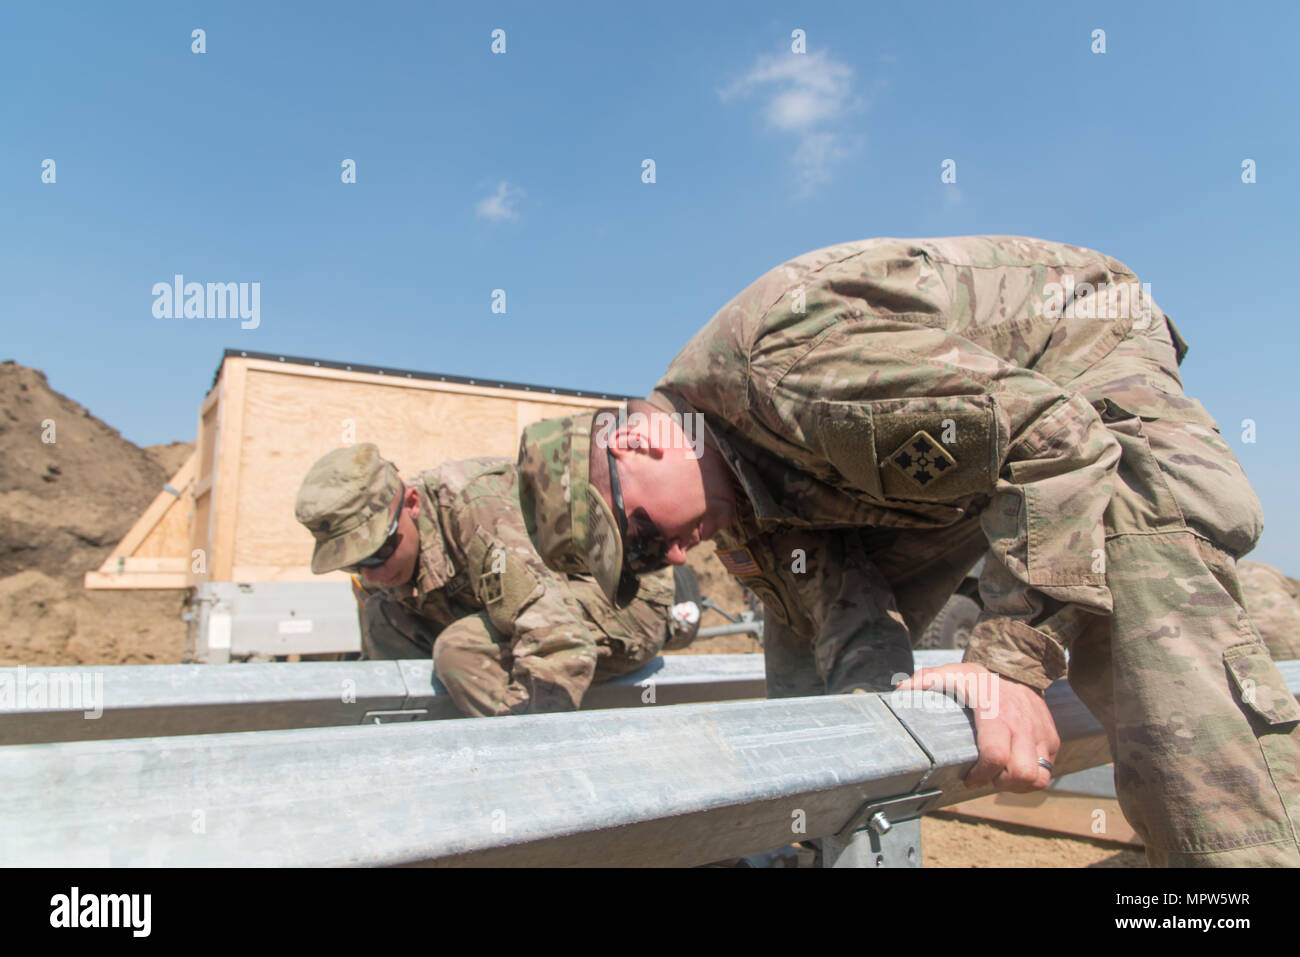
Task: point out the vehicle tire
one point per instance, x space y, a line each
952 626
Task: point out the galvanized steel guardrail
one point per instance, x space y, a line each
40 705
639 785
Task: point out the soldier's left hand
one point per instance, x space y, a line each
1013 726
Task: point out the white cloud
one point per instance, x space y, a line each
817 155
811 96
499 207
805 88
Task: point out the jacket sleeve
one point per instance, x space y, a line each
931 427
553 649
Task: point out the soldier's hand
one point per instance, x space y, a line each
1013 726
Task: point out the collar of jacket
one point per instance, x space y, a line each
434 567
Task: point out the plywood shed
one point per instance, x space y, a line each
227 513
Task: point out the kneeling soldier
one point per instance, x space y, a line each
450 571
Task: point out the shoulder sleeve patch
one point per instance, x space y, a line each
913 449
500 579
938 453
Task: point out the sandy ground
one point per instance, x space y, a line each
949 842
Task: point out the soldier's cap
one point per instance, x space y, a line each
346 502
571 524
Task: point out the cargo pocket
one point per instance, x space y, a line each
1260 685
1142 500
1197 469
1056 468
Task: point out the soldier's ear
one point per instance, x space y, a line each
622 440
632 445
412 501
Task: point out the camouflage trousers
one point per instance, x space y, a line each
473 659
904 580
1204 733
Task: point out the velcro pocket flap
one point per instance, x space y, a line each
1260 684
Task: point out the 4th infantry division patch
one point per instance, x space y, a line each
490 583
922 459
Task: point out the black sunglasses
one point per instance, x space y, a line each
391 542
644 549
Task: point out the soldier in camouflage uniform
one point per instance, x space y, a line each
1273 601
450 571
875 416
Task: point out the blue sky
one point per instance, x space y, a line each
522 171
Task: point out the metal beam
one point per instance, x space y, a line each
651 786
643 786
146 700
39 705
132 701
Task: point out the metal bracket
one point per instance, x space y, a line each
900 847
881 815
391 717
885 833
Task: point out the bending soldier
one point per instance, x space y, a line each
450 572
877 415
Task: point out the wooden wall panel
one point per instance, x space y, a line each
291 420
205 450
260 429
170 538
227 477
199 522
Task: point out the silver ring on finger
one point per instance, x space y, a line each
1044 763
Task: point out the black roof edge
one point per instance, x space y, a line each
413 374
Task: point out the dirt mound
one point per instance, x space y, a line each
169 457
70 488
48 621
70 485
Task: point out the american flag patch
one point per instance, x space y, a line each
739 562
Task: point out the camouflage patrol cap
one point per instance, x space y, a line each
346 502
571 524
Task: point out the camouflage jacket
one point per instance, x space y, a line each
914 384
475 556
